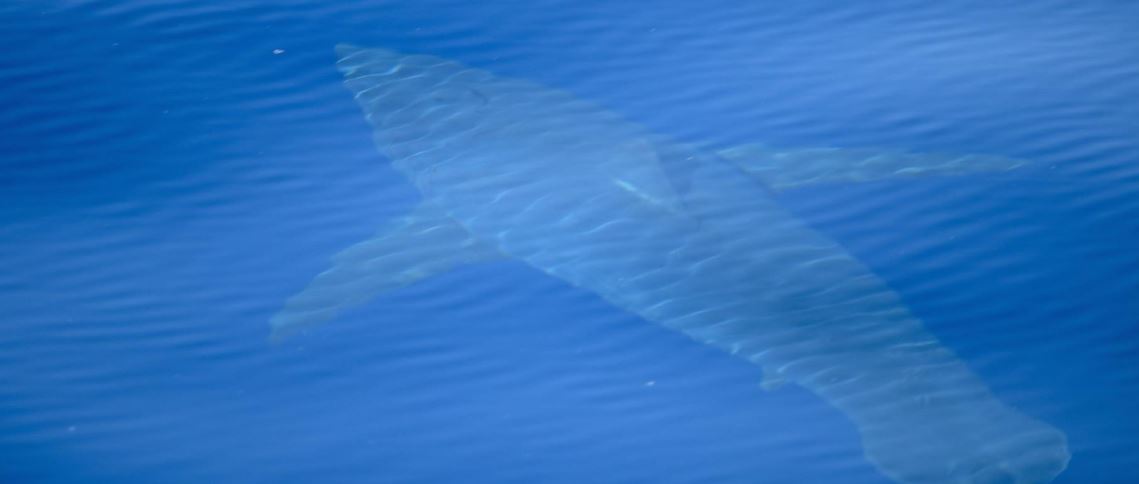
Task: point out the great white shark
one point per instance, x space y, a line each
689 238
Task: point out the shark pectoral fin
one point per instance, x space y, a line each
772 380
411 248
783 169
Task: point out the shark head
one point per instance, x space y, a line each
440 120
412 101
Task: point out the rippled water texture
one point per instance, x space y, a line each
174 172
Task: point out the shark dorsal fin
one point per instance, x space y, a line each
637 170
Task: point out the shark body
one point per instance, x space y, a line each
686 238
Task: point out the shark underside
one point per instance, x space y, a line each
689 238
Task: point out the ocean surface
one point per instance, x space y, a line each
171 172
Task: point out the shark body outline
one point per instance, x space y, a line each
687 239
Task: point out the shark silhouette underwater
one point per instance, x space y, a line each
684 237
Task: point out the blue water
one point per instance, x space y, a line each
172 171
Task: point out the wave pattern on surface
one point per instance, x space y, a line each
173 170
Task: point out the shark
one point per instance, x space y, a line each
687 237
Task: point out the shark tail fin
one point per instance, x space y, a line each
411 248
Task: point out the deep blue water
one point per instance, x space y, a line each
171 172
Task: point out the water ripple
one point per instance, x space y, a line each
173 170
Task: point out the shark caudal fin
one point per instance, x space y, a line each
980 443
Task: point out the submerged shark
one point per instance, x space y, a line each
689 238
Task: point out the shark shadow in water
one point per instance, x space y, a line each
687 238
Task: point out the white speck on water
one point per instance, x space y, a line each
650 383
278 51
